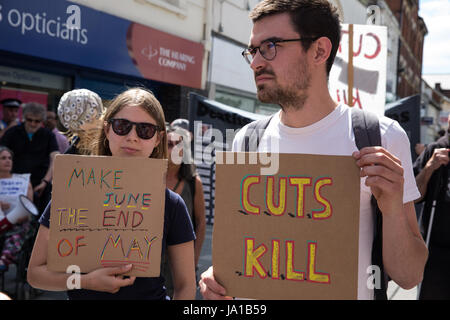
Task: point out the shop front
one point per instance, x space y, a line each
49 47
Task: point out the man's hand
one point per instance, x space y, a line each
39 189
440 157
384 174
209 288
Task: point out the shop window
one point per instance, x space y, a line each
176 6
177 3
245 103
236 101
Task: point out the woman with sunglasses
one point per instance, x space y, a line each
134 126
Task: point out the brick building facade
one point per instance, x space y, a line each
413 31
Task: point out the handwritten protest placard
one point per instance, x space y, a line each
107 211
10 188
293 235
368 68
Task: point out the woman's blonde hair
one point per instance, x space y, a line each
134 97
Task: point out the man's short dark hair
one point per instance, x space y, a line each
310 18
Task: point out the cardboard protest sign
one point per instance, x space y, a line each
107 211
362 74
293 235
11 188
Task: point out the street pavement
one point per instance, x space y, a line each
394 291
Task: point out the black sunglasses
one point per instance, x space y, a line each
33 120
144 130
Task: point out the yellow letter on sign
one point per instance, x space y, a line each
252 257
245 188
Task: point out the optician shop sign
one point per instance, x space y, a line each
98 40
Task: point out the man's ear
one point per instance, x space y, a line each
321 50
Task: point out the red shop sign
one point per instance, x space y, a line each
166 58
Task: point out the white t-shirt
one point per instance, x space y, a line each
333 135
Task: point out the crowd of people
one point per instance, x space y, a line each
291 51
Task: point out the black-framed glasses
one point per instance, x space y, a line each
144 130
268 48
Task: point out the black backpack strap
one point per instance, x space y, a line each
254 133
366 129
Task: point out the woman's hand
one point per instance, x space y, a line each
4 205
108 279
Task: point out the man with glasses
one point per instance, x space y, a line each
34 149
291 51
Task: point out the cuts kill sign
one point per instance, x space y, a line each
293 235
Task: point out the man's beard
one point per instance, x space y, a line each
293 96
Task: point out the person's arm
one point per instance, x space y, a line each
5 138
210 288
200 220
30 192
440 157
181 259
404 251
39 276
48 175
13 123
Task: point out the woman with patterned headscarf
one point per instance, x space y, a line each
79 111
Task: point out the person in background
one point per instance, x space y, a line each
10 113
181 123
50 123
133 126
432 170
9 199
34 149
183 179
79 112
